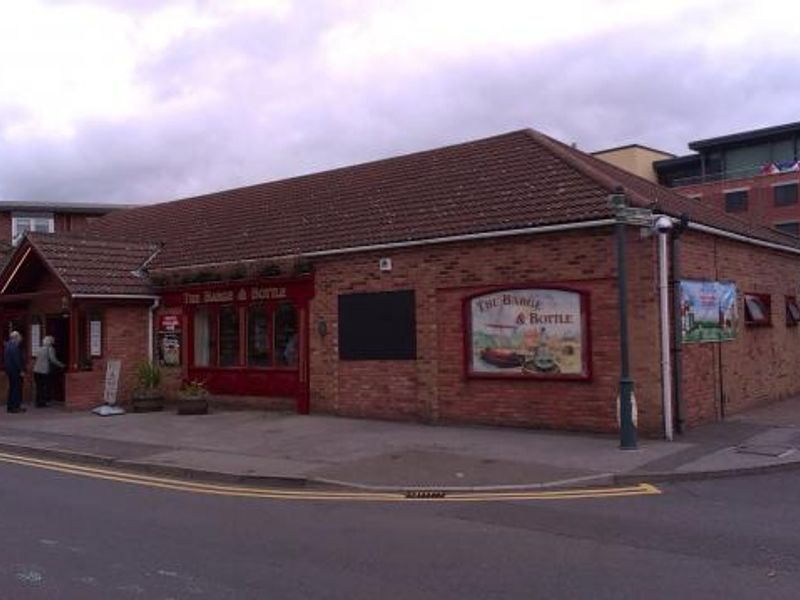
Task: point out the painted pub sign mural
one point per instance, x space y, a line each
708 311
528 332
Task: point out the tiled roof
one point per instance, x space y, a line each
644 193
516 180
95 267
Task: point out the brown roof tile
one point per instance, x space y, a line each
93 266
511 181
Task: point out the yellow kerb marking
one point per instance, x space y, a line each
642 489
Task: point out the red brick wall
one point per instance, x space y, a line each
125 338
434 387
760 365
760 203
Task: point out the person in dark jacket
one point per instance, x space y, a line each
15 369
44 370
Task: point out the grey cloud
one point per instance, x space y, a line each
281 113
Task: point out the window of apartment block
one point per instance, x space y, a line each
757 309
747 160
792 311
22 222
736 201
377 326
790 227
785 194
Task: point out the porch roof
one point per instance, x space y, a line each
94 267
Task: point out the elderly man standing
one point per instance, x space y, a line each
15 369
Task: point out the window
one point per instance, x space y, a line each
286 335
203 338
22 222
736 201
785 194
258 336
228 336
757 309
792 312
790 227
377 326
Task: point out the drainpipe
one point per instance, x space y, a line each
663 226
150 329
677 316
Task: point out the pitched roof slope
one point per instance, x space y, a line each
494 184
644 193
511 181
93 266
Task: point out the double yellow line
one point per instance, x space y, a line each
642 489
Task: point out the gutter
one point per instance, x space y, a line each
118 296
412 243
150 329
742 238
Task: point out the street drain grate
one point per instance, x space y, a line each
424 494
765 450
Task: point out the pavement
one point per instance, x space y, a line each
281 449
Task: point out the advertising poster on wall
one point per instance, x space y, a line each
708 311
169 340
537 333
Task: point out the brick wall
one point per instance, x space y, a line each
760 365
760 203
434 387
124 338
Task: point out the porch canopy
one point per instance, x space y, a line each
52 282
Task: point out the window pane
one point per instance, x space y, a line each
747 160
792 227
41 225
783 151
785 194
258 338
228 336
736 201
755 309
286 335
202 338
21 225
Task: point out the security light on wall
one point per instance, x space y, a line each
385 264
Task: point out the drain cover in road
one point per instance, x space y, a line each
765 450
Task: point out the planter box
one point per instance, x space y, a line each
192 405
147 402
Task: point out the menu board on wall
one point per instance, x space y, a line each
169 340
530 332
708 311
96 338
36 338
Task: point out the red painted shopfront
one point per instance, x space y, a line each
244 338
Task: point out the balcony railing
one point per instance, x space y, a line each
766 169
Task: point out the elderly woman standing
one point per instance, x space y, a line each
43 370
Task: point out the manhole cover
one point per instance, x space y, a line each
764 450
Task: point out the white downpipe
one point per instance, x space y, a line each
151 329
664 306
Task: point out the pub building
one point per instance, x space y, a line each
475 283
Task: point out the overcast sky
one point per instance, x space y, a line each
147 100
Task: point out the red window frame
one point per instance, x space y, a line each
270 308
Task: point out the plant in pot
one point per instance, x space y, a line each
193 398
147 397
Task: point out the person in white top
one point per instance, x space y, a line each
44 370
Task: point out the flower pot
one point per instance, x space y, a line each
147 401
192 405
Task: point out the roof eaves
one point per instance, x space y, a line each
746 136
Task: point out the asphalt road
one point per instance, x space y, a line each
65 536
